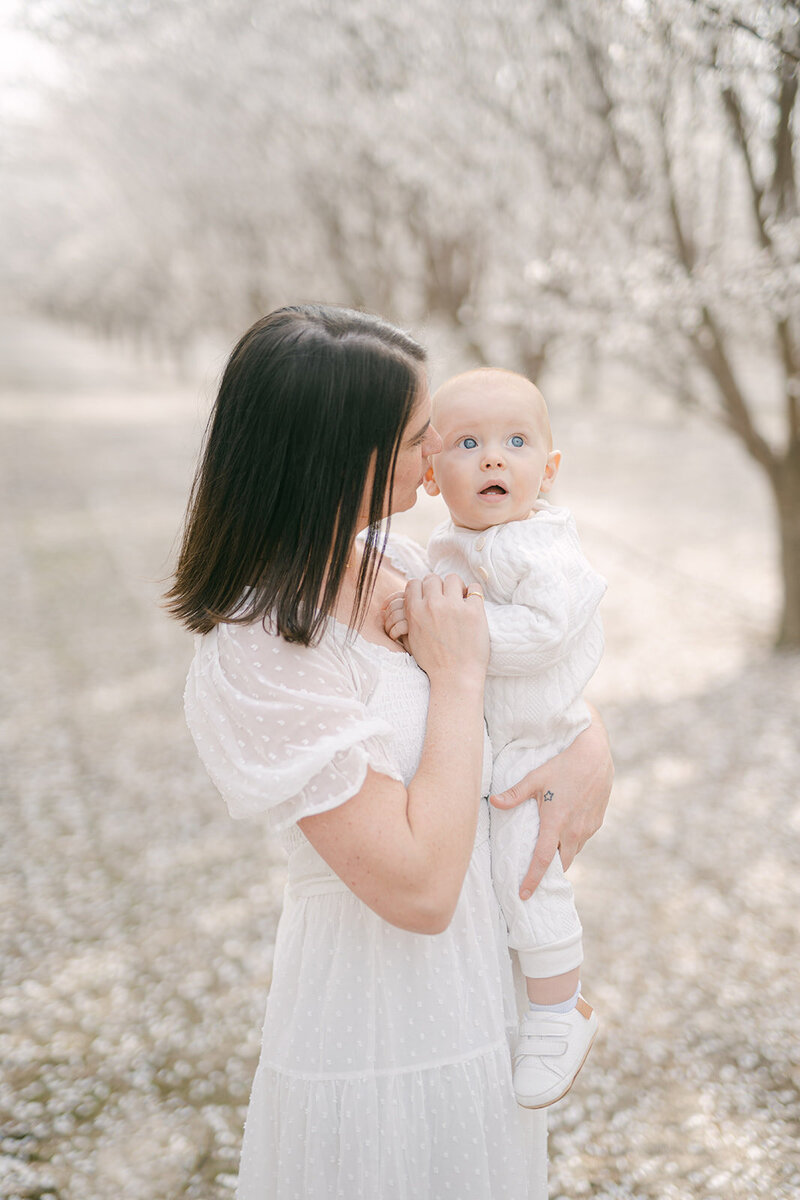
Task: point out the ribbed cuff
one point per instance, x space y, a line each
543 962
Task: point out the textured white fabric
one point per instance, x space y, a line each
546 638
542 598
282 730
385 1070
545 930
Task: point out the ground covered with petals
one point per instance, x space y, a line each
137 920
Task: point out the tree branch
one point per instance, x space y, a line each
711 351
791 367
783 188
708 342
686 252
606 110
734 111
727 19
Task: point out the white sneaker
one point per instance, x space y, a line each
552 1048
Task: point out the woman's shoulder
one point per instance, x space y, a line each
283 727
254 658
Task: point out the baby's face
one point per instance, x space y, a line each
496 456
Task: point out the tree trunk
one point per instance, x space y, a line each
786 487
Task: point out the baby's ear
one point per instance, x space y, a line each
550 470
429 483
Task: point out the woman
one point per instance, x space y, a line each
385 1068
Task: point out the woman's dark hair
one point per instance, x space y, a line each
311 397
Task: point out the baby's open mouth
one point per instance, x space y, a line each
494 489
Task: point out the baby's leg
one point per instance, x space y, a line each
555 989
545 930
557 1033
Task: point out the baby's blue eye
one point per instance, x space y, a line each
516 440
469 443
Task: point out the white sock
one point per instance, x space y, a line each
564 1007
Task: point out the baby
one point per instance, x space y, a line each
541 598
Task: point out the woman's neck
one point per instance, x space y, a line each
388 581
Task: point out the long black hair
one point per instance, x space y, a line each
310 398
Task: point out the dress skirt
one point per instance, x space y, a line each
385 1070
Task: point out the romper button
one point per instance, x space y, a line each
481 542
484 574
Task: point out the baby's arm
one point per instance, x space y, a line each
551 604
532 632
548 608
525 638
395 623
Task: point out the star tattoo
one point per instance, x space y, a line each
548 796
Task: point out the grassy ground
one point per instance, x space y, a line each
136 919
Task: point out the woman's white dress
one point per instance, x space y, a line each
385 1069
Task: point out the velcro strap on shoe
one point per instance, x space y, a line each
546 1047
543 1025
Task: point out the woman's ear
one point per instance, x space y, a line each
550 470
429 483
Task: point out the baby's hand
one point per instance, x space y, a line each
394 618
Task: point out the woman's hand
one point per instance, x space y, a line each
442 625
572 792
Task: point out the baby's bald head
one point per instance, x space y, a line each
497 455
486 387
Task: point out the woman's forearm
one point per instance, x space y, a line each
404 852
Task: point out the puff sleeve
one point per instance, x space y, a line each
282 729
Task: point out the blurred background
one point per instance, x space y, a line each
599 193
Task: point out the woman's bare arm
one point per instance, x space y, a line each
405 852
572 791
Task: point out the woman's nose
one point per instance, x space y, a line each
433 443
